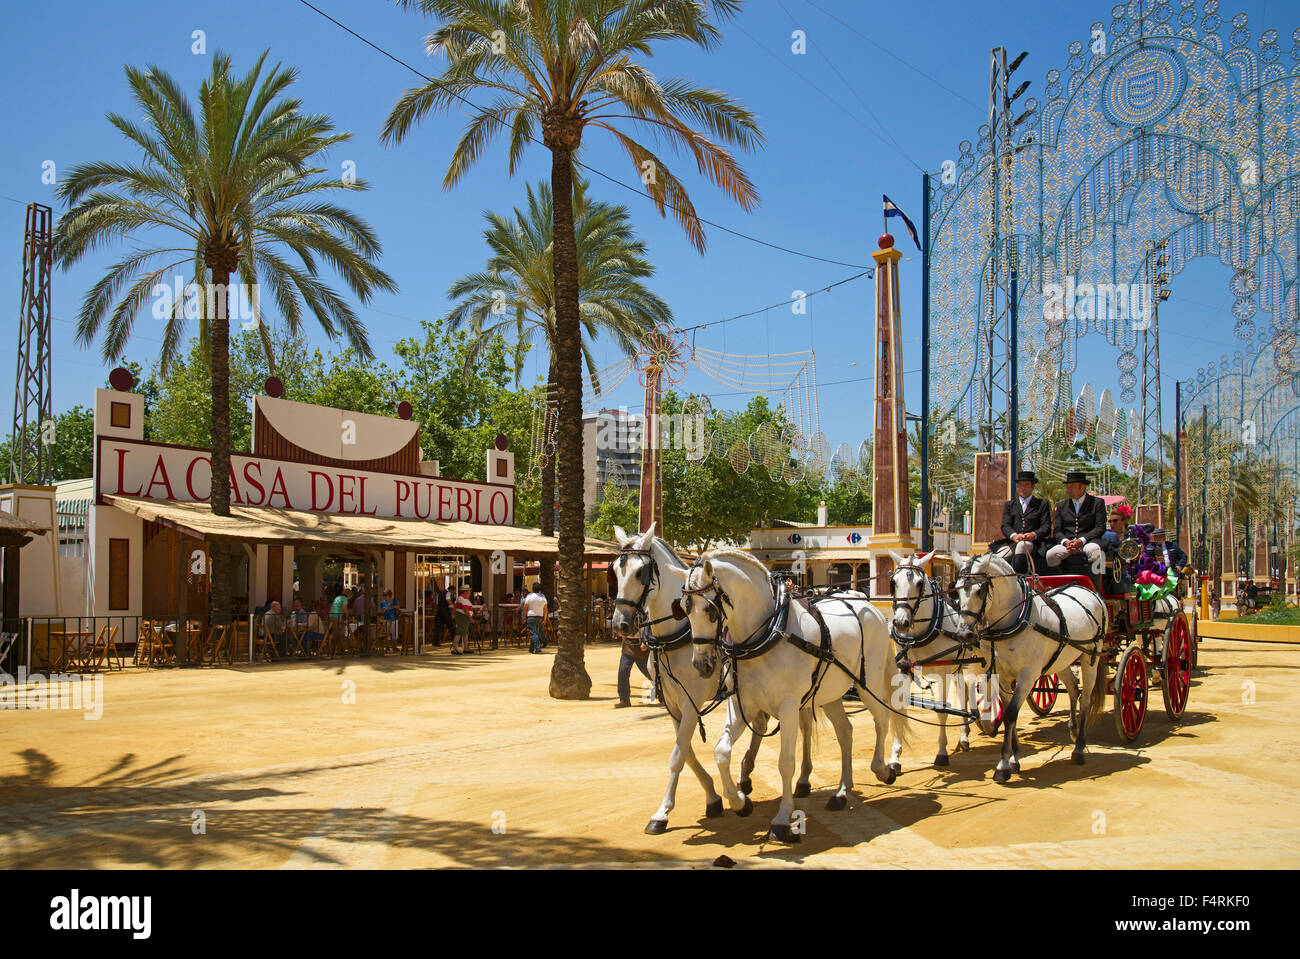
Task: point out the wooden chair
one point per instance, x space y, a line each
159 648
216 648
326 645
264 645
102 649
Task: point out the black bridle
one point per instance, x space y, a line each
648 577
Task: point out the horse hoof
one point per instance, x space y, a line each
1078 758
836 803
963 746
895 768
890 775
746 809
1014 765
941 760
656 827
801 790
1001 775
781 833
714 809
745 786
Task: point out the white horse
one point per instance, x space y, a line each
777 666
648 577
926 624
1023 636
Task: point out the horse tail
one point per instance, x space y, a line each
809 719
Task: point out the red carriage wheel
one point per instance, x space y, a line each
1130 693
1177 667
1043 696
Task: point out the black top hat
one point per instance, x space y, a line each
1026 476
1076 477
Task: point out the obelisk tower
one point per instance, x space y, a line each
891 512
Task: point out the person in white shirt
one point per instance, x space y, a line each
535 610
1026 525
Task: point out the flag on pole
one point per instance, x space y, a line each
892 209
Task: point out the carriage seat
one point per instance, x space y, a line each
1056 582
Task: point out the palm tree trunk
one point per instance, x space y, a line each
569 679
548 491
219 332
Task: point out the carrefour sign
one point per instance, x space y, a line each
159 472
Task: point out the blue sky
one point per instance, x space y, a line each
820 175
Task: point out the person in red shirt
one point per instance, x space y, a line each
463 610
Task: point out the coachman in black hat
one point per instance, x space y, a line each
1079 524
1026 524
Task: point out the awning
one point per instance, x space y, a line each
15 531
252 524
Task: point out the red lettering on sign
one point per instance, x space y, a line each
346 493
329 485
362 508
403 491
505 507
160 467
478 505
189 478
248 478
277 486
121 474
463 499
444 502
428 488
235 496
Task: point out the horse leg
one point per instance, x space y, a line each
740 805
802 786
880 716
1010 761
834 711
780 830
941 757
962 700
1066 676
1091 675
683 753
745 785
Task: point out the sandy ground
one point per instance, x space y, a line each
448 761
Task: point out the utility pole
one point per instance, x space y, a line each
30 457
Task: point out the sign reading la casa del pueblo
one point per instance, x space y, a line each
153 471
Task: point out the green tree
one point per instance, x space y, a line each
706 502
614 506
514 296
235 186
566 66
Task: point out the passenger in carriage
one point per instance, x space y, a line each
1026 525
1079 525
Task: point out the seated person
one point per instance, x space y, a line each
315 632
1171 553
1026 523
274 623
1078 527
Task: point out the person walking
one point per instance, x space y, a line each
535 610
463 610
634 651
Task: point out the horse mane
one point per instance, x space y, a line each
667 553
744 558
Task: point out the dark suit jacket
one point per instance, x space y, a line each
1037 519
1088 524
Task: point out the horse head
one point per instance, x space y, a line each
985 591
911 592
634 577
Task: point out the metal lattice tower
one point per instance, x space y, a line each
1149 486
30 459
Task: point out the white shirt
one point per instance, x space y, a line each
534 604
1024 503
1078 503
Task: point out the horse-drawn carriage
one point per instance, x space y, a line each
1148 642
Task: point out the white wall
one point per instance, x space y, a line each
39 587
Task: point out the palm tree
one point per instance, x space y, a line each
515 296
236 183
564 67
